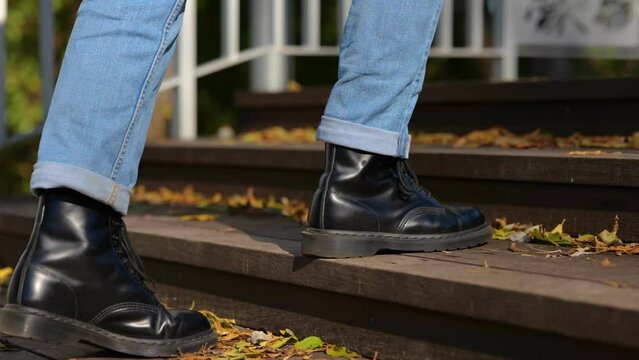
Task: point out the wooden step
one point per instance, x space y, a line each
592 106
482 303
541 186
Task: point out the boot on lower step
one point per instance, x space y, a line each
80 280
367 203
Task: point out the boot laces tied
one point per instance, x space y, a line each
408 182
129 257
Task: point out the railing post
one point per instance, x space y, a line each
3 21
185 128
311 16
344 7
475 24
268 18
230 28
46 52
510 54
444 36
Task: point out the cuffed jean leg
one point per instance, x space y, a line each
382 65
96 128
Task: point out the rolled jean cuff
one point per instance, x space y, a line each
50 175
362 137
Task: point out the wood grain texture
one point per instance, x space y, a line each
561 107
619 168
568 297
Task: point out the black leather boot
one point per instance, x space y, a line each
79 280
368 202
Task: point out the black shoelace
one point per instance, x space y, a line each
129 258
408 182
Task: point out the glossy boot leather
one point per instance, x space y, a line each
79 279
369 202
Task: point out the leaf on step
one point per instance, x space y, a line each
278 343
309 343
587 153
610 238
199 217
587 239
559 228
5 275
260 336
289 332
340 351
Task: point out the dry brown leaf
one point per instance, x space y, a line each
587 153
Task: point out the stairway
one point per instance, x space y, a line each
483 303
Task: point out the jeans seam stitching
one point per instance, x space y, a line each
114 191
136 113
406 116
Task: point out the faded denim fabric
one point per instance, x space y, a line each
96 128
95 131
382 65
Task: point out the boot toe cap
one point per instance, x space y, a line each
469 217
188 323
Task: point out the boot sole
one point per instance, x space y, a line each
21 321
345 244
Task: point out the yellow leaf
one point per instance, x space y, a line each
5 275
559 228
199 217
278 343
340 351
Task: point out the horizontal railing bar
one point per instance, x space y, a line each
485 53
300 50
221 63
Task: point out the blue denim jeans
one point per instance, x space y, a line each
118 52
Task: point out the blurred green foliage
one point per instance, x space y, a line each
22 83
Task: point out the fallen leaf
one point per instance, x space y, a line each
605 262
5 275
340 351
615 284
587 153
309 343
199 217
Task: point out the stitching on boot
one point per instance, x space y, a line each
328 179
415 213
111 310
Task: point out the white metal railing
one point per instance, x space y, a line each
268 52
270 48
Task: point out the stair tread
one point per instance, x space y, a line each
610 168
569 296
